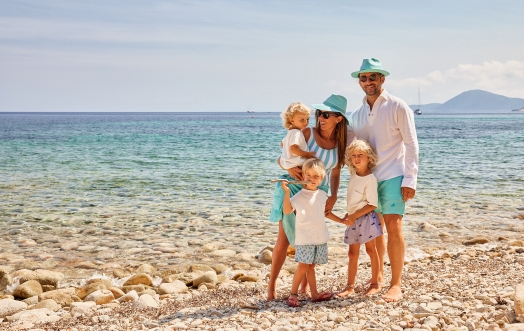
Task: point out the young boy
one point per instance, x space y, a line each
311 230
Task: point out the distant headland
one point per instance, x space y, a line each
474 101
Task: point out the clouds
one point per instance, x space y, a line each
506 78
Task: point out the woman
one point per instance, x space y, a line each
328 140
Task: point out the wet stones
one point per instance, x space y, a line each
476 241
28 289
266 256
140 278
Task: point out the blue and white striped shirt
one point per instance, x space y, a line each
328 156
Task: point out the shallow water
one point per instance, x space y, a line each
206 176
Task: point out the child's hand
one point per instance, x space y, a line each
310 155
350 219
285 187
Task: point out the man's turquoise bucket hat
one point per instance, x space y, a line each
335 103
370 65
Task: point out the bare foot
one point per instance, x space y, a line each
373 289
347 291
394 294
271 294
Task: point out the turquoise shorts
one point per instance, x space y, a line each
390 197
309 254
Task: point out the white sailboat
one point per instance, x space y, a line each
418 111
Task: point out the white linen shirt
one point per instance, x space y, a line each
310 225
390 129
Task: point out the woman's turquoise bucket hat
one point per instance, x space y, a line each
335 103
370 65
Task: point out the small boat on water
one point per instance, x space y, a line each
418 111
521 109
250 111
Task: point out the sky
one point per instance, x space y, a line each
197 56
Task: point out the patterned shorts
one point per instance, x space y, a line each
310 254
366 228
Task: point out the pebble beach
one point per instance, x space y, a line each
148 242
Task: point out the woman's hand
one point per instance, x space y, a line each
330 203
295 172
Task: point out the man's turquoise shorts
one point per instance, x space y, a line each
390 197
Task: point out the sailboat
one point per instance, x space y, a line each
418 111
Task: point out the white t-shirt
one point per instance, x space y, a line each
362 191
289 160
310 226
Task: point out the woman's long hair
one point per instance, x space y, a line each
341 135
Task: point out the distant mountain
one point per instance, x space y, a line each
481 101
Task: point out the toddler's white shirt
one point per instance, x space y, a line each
310 226
287 159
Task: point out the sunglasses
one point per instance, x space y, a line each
326 114
372 78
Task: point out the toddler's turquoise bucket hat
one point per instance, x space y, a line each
370 65
335 103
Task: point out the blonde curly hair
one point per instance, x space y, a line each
364 146
295 107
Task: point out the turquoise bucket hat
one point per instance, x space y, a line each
370 65
335 103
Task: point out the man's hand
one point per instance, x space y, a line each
407 193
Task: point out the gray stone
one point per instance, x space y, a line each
266 256
28 289
48 303
9 307
140 278
44 277
82 308
147 300
207 277
100 297
171 288
129 296
519 299
42 315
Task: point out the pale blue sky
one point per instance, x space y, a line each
59 55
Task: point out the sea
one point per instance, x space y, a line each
131 171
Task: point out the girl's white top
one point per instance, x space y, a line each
287 159
310 226
361 192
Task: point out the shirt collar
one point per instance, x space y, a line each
384 95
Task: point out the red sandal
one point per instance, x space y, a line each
324 296
292 301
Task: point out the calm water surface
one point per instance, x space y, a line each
70 169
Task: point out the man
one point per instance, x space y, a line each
388 124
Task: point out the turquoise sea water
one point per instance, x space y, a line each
69 169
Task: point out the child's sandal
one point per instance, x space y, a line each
292 301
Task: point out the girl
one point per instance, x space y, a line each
311 233
363 224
